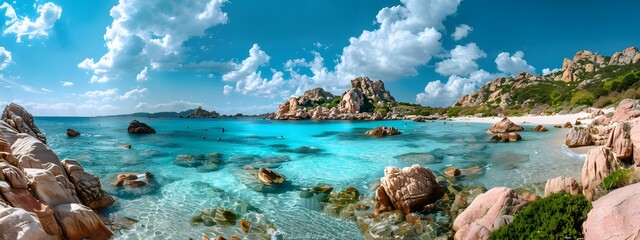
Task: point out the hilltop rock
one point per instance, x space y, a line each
578 137
383 131
600 162
22 121
560 184
627 56
505 125
408 189
139 127
372 90
615 215
72 133
201 113
479 219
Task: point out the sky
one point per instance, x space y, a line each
93 58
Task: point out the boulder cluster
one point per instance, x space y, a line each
42 197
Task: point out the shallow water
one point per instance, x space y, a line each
330 152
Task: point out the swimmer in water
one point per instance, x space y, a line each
203 137
222 129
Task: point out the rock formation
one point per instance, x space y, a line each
22 121
505 125
539 128
268 176
488 212
578 137
560 184
134 180
506 137
600 162
138 127
201 113
615 215
39 197
383 131
72 133
408 189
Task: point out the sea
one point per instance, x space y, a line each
307 153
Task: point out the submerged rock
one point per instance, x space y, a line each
134 180
268 176
505 125
506 137
72 133
141 128
452 172
383 131
203 163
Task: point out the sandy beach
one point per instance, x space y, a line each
531 119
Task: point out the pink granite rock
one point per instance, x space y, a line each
615 215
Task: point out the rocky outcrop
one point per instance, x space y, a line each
372 90
72 133
505 125
268 176
506 137
140 128
201 113
539 128
625 110
87 186
22 121
488 212
383 131
620 141
80 222
561 184
627 56
600 162
16 223
408 189
352 100
615 215
578 137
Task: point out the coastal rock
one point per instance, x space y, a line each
419 119
134 180
80 222
477 220
615 215
567 125
47 189
201 113
634 135
505 125
619 141
372 90
352 101
452 172
506 137
600 162
16 223
561 184
625 110
141 128
268 176
22 121
539 128
408 190
5 146
383 131
578 137
27 149
72 133
88 186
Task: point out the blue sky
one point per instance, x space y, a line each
67 58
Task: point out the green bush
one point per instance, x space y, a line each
453 112
558 216
582 97
617 179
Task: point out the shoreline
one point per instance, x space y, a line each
532 119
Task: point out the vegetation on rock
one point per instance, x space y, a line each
618 179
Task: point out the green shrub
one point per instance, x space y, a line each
453 112
582 97
617 179
558 216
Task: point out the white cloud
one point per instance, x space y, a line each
48 14
210 75
99 79
175 106
46 90
5 58
133 94
107 93
250 65
440 94
227 90
548 71
461 32
143 75
317 44
513 65
11 84
67 84
462 60
405 40
152 33
249 80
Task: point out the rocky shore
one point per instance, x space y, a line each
42 197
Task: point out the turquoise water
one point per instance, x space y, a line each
339 155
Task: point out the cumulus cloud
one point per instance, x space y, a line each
249 80
5 58
48 14
405 39
133 94
67 84
227 90
513 64
143 75
97 93
548 71
440 94
175 106
462 60
461 32
151 33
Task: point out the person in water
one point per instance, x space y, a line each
222 129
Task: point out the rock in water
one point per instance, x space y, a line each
505 125
383 131
72 133
479 219
567 125
408 190
21 120
506 137
268 176
615 215
138 127
539 128
578 137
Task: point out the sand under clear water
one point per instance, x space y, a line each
334 152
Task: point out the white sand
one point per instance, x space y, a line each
531 119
